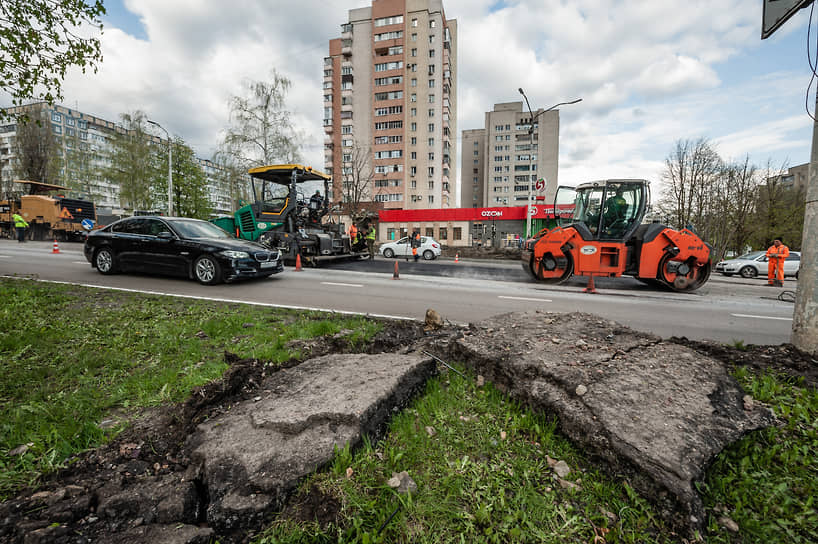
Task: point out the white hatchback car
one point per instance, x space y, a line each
754 264
429 248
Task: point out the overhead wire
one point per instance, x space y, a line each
812 65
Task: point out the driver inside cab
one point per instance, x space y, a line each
614 212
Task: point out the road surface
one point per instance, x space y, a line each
725 309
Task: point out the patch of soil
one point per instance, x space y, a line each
785 359
313 505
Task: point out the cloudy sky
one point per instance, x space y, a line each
649 72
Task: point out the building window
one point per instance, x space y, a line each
413 127
393 20
414 37
413 155
431 112
431 199
443 233
414 52
430 142
414 82
413 141
431 170
457 233
431 99
413 97
56 117
346 129
431 184
414 22
56 128
432 156
432 23
431 83
413 112
431 127
431 53
430 232
389 35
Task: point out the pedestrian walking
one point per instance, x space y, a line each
370 241
776 255
415 244
20 225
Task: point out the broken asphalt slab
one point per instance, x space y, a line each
658 412
236 469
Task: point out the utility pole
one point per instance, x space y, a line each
170 168
533 175
805 317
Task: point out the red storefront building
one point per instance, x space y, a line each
463 227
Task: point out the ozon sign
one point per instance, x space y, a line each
491 213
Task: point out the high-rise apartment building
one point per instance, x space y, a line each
502 160
390 110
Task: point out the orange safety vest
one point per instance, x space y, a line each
353 233
780 252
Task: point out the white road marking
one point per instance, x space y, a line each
342 284
215 299
526 298
5 256
763 317
80 262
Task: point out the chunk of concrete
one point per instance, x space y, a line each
656 411
250 458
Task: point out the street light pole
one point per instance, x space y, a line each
170 167
531 156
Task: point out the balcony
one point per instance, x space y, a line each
346 107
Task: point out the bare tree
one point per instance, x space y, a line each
780 210
260 131
35 149
357 180
691 171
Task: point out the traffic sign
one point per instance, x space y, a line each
87 224
776 12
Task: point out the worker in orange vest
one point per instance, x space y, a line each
353 234
776 255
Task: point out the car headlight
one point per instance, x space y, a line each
230 254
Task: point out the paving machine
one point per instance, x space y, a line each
601 234
281 217
48 217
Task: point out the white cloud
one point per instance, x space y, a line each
649 73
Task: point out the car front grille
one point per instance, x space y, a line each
264 256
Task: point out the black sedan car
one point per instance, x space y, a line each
178 246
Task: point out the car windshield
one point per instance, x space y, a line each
750 256
198 229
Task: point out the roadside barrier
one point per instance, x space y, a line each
457 257
395 275
590 287
298 263
56 248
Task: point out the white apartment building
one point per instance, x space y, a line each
501 161
88 135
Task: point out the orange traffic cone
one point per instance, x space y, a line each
298 263
590 287
56 248
457 257
395 275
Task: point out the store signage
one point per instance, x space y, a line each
491 213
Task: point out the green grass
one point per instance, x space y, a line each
71 356
482 476
475 486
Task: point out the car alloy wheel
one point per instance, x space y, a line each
207 270
428 255
388 253
104 259
748 272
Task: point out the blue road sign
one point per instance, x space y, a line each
87 224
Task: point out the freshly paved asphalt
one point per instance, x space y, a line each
725 309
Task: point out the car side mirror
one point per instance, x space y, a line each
165 235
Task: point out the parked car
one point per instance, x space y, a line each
754 263
429 248
178 246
